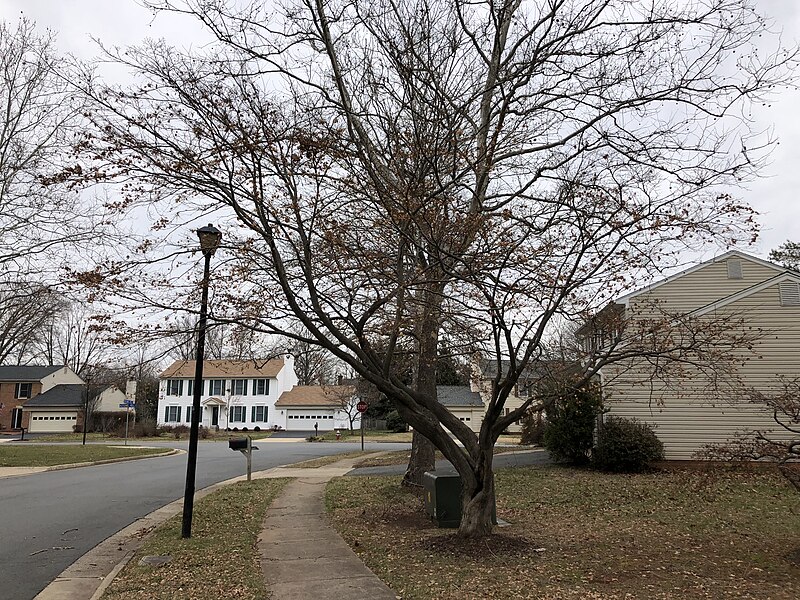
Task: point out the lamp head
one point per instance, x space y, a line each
210 238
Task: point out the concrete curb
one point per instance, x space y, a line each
89 576
24 471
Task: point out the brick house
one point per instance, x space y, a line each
39 398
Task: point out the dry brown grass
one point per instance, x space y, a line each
220 560
581 534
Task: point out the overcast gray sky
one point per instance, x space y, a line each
123 22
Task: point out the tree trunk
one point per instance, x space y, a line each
423 452
478 499
423 458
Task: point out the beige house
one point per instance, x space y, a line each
328 407
701 406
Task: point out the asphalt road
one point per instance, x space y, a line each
50 519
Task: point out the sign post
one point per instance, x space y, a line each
361 407
127 405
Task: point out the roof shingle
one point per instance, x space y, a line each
26 372
220 369
65 395
316 395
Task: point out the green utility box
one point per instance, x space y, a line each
443 498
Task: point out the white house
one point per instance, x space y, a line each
236 394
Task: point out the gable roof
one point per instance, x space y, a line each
27 372
722 257
457 395
535 370
64 395
329 396
753 289
222 369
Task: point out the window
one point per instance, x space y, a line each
261 387
188 414
174 387
172 414
237 414
259 414
215 387
239 387
190 388
23 390
523 389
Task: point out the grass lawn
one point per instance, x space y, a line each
12 455
323 461
369 436
220 560
581 534
400 457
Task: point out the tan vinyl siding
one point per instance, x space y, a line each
686 414
703 286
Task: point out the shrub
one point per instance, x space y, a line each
570 426
626 446
177 431
203 432
395 423
145 428
533 426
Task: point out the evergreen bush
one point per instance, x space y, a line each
571 419
626 446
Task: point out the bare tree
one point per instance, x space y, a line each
494 168
74 337
313 364
40 214
25 316
345 399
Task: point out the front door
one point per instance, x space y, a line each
215 416
16 418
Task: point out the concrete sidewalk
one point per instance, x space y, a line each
303 557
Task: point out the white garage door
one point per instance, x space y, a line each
303 420
48 422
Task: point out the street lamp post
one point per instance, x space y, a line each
210 237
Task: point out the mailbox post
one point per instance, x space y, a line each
245 446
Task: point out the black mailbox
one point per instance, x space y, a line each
237 444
